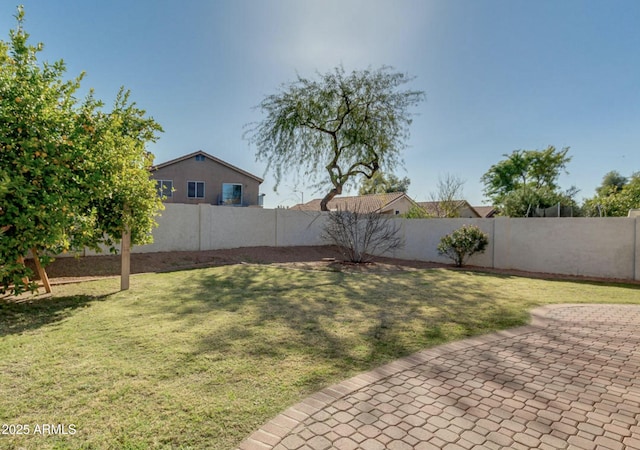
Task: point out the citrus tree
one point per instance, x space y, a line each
68 170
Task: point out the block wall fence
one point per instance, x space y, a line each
596 247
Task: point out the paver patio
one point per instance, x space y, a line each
570 379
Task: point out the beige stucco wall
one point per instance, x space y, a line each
577 246
213 175
209 227
636 244
422 237
178 230
227 227
299 227
601 247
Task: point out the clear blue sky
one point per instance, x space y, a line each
499 75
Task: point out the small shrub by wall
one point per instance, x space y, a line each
464 242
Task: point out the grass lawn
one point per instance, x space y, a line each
200 358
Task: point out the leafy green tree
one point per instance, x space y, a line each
39 160
612 182
527 179
524 202
614 201
462 243
124 196
58 160
380 183
344 125
630 193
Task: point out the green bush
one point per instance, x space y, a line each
463 243
416 212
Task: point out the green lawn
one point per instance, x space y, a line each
199 359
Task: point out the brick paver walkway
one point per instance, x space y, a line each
571 380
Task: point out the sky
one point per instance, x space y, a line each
499 75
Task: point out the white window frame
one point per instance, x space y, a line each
196 189
241 193
161 189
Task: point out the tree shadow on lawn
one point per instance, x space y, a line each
19 316
469 303
352 321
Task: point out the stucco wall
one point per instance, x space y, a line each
577 246
229 227
178 230
602 247
299 227
636 244
422 237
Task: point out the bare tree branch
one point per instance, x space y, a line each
362 235
448 196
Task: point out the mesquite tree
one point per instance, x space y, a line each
337 128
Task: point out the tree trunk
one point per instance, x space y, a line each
125 259
327 198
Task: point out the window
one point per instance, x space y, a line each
165 188
231 194
199 157
195 189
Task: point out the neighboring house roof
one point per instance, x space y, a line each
434 208
486 212
206 155
362 203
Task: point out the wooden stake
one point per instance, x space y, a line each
41 272
125 259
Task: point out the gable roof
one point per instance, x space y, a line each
486 212
206 155
362 203
433 208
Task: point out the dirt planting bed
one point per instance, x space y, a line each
70 269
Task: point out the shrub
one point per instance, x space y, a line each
416 212
463 243
360 235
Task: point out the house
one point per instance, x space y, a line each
394 203
486 212
201 178
459 208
